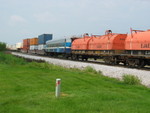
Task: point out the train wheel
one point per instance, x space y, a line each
107 60
135 63
84 58
141 64
131 63
75 57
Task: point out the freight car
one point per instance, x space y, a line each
137 46
108 47
16 47
33 45
42 39
60 47
36 45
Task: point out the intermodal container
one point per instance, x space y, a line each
33 47
19 45
34 41
41 47
44 37
26 44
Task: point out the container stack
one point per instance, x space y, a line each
33 45
26 45
42 42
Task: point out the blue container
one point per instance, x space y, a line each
44 37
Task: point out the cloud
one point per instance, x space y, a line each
17 20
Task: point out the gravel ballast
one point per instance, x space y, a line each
116 72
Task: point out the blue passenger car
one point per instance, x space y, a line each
58 46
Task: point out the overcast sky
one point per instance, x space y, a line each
20 19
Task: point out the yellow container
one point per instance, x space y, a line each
34 41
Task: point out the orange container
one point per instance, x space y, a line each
34 41
81 43
138 40
110 41
26 44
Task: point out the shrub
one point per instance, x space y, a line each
131 80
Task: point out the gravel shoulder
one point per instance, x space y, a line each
115 72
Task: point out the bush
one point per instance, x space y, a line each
2 46
131 80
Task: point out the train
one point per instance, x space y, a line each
132 50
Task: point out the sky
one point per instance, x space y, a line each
21 19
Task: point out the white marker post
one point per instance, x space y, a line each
57 92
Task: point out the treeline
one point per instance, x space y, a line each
2 46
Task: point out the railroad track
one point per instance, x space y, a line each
100 62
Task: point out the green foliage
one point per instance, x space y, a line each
2 46
10 59
131 80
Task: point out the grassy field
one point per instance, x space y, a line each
30 88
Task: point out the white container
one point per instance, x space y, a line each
41 47
19 45
33 47
13 47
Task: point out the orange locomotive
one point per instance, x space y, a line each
132 50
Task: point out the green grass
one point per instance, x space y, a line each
30 88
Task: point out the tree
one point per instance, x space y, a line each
2 46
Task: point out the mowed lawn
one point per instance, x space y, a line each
30 88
